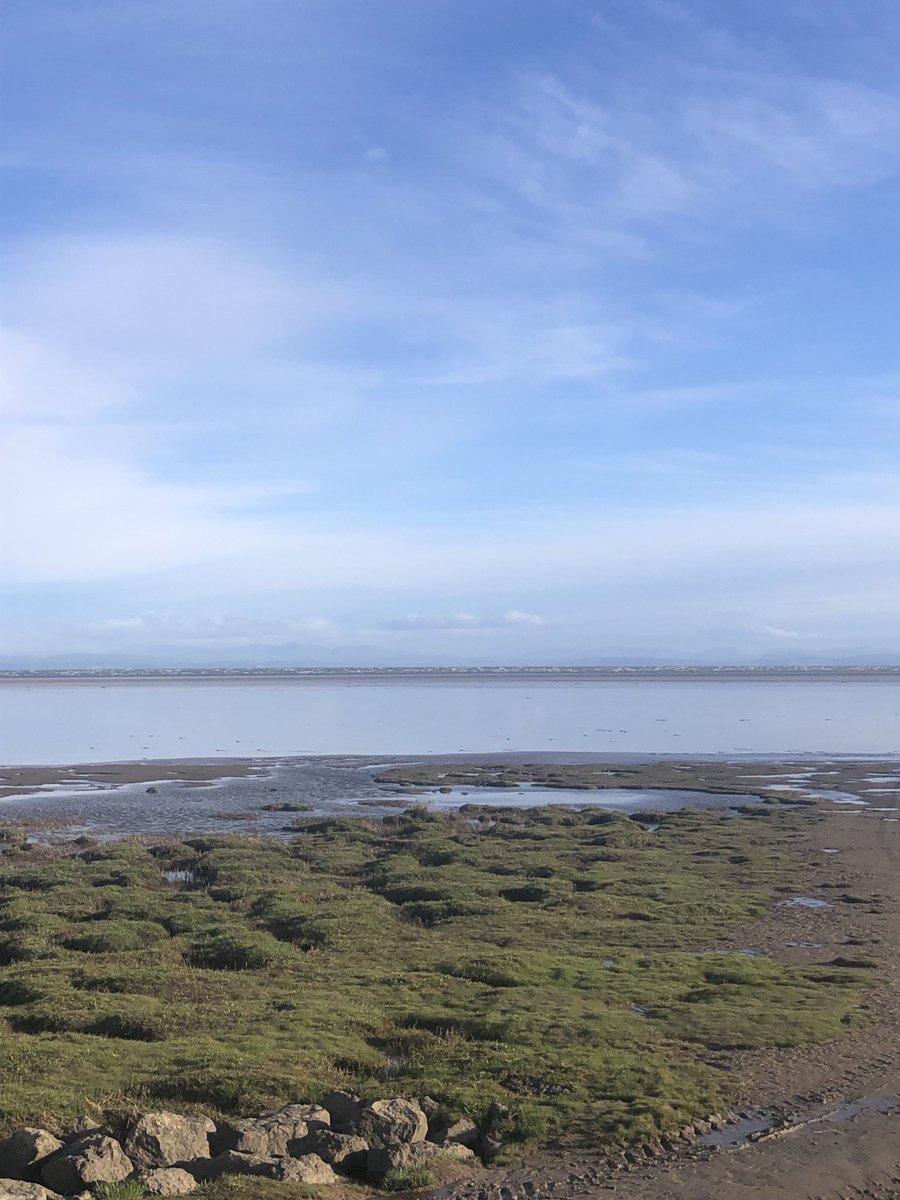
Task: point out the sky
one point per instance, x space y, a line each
450 331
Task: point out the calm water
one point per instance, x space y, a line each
50 723
327 788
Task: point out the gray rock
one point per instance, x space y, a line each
94 1158
308 1168
342 1106
456 1151
385 1158
18 1189
390 1122
273 1132
343 1151
463 1132
232 1162
164 1139
81 1125
168 1181
22 1152
246 1136
490 1149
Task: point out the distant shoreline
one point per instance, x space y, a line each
376 675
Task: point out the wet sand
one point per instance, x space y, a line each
26 781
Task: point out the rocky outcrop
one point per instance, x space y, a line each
94 1158
164 1139
171 1154
23 1151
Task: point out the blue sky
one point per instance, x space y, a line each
435 329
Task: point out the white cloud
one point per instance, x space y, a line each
462 622
790 635
192 629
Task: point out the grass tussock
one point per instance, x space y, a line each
537 958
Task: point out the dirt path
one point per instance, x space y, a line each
823 1159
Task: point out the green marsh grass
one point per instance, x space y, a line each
538 958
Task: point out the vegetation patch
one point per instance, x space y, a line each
543 959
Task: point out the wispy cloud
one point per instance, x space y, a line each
463 622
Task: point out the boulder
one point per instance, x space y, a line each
18 1189
462 1132
343 1151
274 1132
308 1168
93 1158
232 1162
164 1139
168 1181
79 1126
342 1107
382 1159
22 1152
390 1122
457 1152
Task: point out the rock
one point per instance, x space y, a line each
702 1127
385 1158
389 1122
430 1107
164 1139
464 1132
315 1115
81 1125
308 1168
456 1151
242 1136
24 1149
274 1132
168 1181
497 1117
232 1162
490 1148
93 1158
343 1151
342 1106
18 1189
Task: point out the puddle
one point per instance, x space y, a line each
805 945
624 800
737 1134
752 1126
846 1112
803 902
850 800
830 850
746 951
